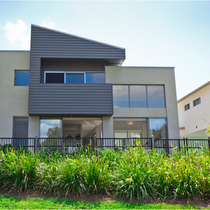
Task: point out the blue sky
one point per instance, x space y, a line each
154 33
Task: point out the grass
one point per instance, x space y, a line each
8 202
129 172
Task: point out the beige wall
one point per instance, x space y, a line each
148 76
13 99
197 115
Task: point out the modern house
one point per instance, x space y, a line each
194 113
68 86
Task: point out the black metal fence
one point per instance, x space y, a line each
26 143
179 144
70 145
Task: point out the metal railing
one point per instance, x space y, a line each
123 142
70 145
179 144
25 143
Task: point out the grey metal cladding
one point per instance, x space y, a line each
68 99
71 99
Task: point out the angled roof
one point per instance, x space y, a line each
52 43
194 91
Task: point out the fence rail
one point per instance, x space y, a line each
26 143
69 145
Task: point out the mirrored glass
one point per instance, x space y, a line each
158 128
138 96
75 78
120 96
21 78
156 97
50 128
95 78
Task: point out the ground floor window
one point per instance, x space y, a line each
158 127
50 128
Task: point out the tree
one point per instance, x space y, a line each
208 131
53 132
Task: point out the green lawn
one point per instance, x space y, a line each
9 202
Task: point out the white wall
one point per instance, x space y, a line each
148 76
13 99
196 119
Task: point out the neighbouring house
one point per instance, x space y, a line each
72 87
194 113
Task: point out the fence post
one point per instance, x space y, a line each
35 143
94 140
153 142
209 142
186 143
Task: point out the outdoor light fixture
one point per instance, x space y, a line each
130 122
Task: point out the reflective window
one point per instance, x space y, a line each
50 128
120 96
158 127
138 96
156 97
95 78
75 78
21 78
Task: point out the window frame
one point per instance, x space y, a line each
73 72
186 106
147 103
16 70
197 100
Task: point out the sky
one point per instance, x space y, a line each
154 33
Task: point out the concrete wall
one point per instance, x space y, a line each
13 99
148 76
195 121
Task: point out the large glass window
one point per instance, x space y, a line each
158 128
138 96
120 96
21 78
156 97
75 78
50 128
95 78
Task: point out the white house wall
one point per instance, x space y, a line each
148 76
195 120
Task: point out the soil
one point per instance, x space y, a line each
199 202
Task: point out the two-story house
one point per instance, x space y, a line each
68 86
194 113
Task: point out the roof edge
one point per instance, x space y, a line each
68 34
194 91
14 50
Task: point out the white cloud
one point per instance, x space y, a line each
18 32
48 23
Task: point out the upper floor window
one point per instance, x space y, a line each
21 78
120 93
138 96
196 102
155 97
186 107
73 77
